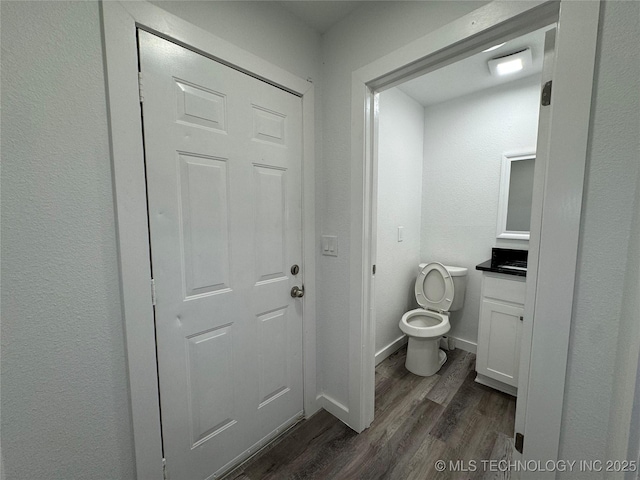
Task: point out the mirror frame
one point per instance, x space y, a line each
503 198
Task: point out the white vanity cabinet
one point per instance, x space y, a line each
500 331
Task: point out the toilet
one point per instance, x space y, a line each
439 290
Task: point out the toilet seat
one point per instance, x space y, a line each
423 323
436 279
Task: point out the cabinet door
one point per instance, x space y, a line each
499 341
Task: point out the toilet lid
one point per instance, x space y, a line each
434 288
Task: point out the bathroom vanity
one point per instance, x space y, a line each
500 324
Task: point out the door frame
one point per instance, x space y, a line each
120 22
547 338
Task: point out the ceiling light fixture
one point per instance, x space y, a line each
512 63
495 47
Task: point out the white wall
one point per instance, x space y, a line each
606 292
65 401
400 144
626 384
362 37
464 141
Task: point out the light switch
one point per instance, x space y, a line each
400 234
330 245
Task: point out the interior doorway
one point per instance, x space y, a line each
441 140
565 150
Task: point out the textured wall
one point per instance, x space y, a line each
626 384
400 144
464 141
65 404
600 307
362 37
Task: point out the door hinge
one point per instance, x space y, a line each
153 292
545 100
519 442
140 88
165 474
374 269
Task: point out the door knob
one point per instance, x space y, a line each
297 292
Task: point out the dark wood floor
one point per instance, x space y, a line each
418 420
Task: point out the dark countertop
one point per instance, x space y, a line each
486 267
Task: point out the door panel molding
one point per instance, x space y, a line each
228 389
120 22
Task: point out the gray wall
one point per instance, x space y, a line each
400 134
65 403
607 219
464 141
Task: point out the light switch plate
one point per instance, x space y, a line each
400 234
330 245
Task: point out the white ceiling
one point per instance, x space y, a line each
472 74
321 15
458 79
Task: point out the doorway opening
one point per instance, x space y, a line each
554 237
441 139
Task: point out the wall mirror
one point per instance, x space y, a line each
516 192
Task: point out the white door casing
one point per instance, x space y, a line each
121 22
484 27
223 163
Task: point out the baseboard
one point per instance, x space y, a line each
394 346
334 407
497 385
460 343
391 348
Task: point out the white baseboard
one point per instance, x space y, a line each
391 348
394 346
496 384
460 343
334 407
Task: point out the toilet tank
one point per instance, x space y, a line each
459 275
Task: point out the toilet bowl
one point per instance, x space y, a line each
424 329
438 290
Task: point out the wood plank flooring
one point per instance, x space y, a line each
418 420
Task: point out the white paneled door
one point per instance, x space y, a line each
223 162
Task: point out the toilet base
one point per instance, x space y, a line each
424 356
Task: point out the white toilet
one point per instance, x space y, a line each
439 290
